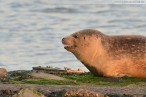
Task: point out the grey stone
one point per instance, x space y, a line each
28 93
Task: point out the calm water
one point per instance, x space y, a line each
31 30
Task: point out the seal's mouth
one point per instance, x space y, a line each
67 46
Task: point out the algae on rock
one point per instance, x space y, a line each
28 93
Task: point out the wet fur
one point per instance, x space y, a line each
112 56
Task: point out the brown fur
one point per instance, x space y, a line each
110 56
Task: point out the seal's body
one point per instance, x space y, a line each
110 56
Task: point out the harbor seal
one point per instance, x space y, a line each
109 56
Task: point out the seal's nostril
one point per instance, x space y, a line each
63 39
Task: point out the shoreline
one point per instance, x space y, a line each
109 87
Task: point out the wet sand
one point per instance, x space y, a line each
52 90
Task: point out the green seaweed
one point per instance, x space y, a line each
89 79
86 79
36 92
48 82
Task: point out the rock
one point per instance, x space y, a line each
7 93
20 74
82 93
28 93
3 74
46 76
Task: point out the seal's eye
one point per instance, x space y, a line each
75 36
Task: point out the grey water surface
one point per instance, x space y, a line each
31 30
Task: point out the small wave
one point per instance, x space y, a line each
125 20
56 10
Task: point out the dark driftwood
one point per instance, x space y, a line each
58 70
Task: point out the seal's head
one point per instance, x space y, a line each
84 44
